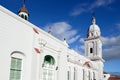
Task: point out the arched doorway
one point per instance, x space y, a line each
48 68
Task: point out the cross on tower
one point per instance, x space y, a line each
23 2
93 14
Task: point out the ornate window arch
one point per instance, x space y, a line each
48 68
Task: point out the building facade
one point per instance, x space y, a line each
29 53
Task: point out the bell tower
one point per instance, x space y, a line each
93 43
23 12
93 47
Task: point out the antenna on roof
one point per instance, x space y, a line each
93 14
49 30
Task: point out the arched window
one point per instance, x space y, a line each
89 75
94 76
22 16
91 50
74 74
26 17
16 66
83 74
48 68
92 34
68 74
49 60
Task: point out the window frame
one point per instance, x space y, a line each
15 68
20 58
48 68
91 50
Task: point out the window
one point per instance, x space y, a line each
68 75
104 76
26 17
94 76
22 16
91 34
74 74
91 50
48 68
15 70
83 74
89 75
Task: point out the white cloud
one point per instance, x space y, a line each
74 39
111 41
82 47
112 53
86 7
111 47
100 3
63 30
78 50
81 40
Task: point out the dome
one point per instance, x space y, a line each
23 12
94 27
94 30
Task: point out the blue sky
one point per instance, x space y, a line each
72 18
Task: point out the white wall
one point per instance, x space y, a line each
106 76
14 36
17 34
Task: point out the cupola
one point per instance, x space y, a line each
23 12
94 30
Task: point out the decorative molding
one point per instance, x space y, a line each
35 30
37 50
91 38
42 43
73 61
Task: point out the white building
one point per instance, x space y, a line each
106 76
29 53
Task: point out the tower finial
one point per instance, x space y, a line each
93 14
23 12
93 18
49 31
23 2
